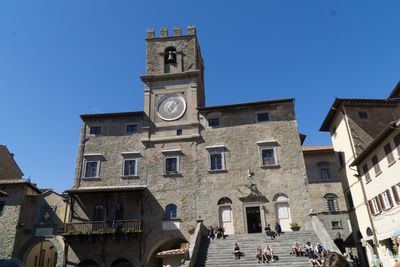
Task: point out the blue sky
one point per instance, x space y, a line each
63 58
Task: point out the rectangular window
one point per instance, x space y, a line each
389 154
214 123
366 173
332 204
336 224
363 115
374 207
179 132
96 130
397 143
262 117
129 167
386 200
325 174
268 157
131 129
375 163
91 169
171 165
216 161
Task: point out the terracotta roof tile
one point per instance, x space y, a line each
106 188
317 148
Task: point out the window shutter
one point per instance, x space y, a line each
371 209
389 197
396 196
379 202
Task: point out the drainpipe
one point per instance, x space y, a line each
358 174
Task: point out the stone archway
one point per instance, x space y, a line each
41 254
55 241
282 211
225 215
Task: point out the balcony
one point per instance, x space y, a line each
90 229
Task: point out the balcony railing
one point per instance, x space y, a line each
100 227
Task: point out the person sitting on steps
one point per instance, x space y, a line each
269 254
260 255
236 251
269 232
211 234
220 233
278 229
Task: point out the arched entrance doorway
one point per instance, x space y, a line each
88 263
121 263
282 211
225 215
41 254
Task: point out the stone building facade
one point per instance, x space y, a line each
325 187
143 179
353 125
30 218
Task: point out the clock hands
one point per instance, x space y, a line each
171 108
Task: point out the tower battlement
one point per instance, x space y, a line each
176 31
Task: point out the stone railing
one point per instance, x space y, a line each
93 227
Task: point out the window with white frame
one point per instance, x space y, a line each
375 163
389 154
92 168
263 117
374 206
129 167
268 157
216 160
386 200
171 165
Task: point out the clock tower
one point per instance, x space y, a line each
173 85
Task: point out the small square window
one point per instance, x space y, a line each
214 123
179 132
363 115
336 224
129 167
96 130
171 165
268 157
131 129
262 117
91 169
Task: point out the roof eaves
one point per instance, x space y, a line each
112 115
246 104
390 128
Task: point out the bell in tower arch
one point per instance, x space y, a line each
170 55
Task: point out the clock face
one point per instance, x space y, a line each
171 107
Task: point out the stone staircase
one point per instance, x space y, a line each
218 253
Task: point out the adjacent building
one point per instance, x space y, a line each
354 124
30 218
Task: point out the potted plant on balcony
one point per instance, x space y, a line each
294 226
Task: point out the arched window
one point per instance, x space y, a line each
331 202
224 201
119 211
98 214
170 212
170 55
324 170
